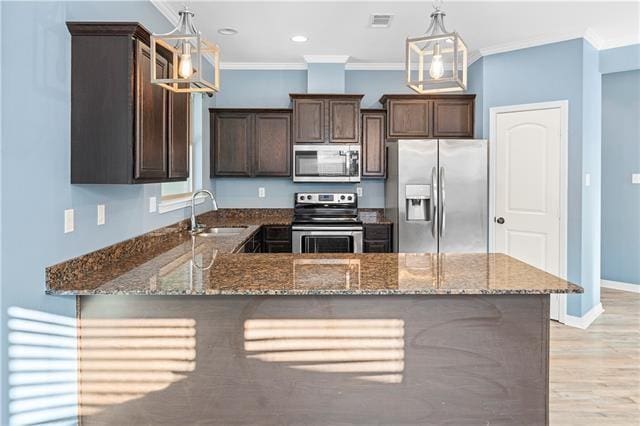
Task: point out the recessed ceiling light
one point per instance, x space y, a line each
227 31
299 38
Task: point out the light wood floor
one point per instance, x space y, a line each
595 373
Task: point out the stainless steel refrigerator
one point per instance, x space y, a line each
436 193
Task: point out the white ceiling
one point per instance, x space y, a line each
341 27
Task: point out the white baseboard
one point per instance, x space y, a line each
617 285
584 321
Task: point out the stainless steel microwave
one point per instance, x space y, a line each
326 163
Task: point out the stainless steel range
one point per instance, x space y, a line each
326 222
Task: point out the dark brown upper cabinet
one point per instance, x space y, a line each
374 161
321 118
250 142
429 116
123 129
272 145
453 118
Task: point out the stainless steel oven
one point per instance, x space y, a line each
326 239
326 222
326 163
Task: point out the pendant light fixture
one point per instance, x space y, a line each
437 60
187 49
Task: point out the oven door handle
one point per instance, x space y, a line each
328 229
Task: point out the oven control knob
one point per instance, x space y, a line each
342 197
350 198
302 197
308 197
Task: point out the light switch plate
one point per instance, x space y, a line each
153 205
635 178
101 214
587 179
359 191
68 221
261 192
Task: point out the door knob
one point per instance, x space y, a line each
500 220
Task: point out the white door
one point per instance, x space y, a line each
527 199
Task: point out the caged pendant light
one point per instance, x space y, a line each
187 48
437 60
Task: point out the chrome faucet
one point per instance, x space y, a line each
195 226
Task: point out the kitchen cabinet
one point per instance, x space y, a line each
429 116
232 136
124 129
374 162
253 244
276 239
321 118
377 238
249 142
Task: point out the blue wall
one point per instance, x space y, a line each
553 72
591 164
620 158
619 59
325 78
35 158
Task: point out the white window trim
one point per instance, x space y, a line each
178 203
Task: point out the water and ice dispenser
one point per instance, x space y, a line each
418 200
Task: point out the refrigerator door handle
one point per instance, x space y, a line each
443 211
434 200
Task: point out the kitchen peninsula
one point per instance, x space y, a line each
286 338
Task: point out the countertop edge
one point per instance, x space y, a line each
222 293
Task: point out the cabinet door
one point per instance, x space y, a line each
373 152
453 118
179 137
276 247
343 118
408 118
232 141
308 121
272 149
151 117
376 246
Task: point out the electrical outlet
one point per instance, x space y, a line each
153 205
101 214
635 178
262 192
68 221
359 191
587 179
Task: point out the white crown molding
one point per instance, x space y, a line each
263 66
326 59
593 38
166 10
617 285
375 66
584 321
530 42
621 42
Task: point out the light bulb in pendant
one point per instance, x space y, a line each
436 70
185 66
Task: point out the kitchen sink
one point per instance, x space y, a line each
221 231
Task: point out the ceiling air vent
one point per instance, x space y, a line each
380 20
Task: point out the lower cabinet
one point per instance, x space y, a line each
377 238
276 239
254 244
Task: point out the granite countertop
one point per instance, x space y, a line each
172 262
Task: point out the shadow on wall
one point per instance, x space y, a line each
365 349
60 367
